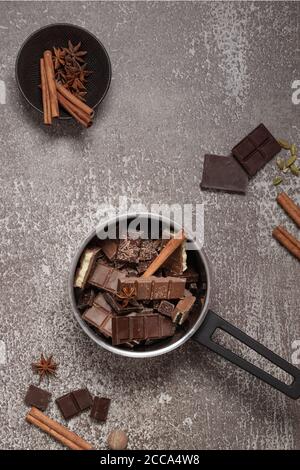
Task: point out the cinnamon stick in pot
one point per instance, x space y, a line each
74 100
170 247
49 69
45 94
77 113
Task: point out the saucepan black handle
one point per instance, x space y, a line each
204 335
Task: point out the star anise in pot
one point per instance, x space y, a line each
58 57
74 53
126 295
45 367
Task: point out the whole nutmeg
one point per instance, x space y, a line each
117 440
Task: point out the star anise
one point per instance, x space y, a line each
45 367
58 57
74 52
126 294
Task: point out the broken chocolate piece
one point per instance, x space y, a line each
154 287
148 250
73 403
119 308
223 173
100 409
140 327
183 309
86 299
256 149
109 248
166 308
129 250
105 277
37 397
190 275
86 264
100 317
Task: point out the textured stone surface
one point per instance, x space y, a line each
187 79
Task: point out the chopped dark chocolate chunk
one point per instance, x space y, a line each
143 266
105 277
154 287
147 251
166 308
190 275
73 403
110 248
183 309
118 306
87 262
223 173
129 250
37 397
86 299
140 327
256 149
100 409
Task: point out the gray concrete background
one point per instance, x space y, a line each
187 79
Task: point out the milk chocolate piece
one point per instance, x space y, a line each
166 308
140 327
110 248
86 265
37 397
183 309
154 287
256 149
105 277
116 304
223 173
73 403
129 250
100 409
99 315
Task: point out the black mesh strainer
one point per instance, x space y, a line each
58 35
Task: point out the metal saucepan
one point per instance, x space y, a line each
201 325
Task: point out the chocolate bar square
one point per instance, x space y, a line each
83 398
223 173
256 149
37 397
73 403
100 409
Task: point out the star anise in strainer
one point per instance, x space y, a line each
45 367
126 295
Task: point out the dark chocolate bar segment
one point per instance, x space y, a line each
166 308
154 288
223 173
100 409
73 403
129 250
140 327
182 309
256 149
105 277
37 397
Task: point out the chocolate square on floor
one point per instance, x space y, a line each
223 173
256 149
100 409
37 397
71 404
83 398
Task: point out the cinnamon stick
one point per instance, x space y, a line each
170 247
49 69
74 100
292 209
287 240
57 430
77 113
45 94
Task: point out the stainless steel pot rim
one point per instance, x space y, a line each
96 338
